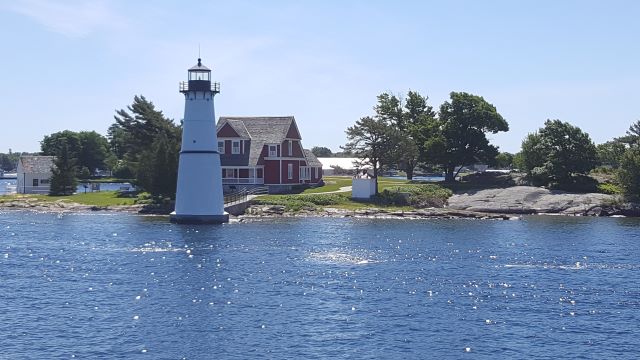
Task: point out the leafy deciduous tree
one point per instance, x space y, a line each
504 160
321 151
629 173
610 153
557 152
461 137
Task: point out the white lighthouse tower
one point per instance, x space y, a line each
199 197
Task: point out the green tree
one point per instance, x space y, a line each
518 161
6 162
158 172
321 151
557 152
610 153
413 118
88 148
632 138
461 138
374 142
140 133
94 150
52 144
504 160
63 178
629 173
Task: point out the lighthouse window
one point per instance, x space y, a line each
199 75
235 148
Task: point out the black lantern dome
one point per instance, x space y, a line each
199 79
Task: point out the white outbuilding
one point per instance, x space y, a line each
34 174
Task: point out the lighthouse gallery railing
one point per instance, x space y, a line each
184 86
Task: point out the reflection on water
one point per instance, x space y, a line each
121 286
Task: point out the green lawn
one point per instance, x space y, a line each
102 198
314 197
331 183
334 183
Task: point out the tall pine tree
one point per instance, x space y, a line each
63 179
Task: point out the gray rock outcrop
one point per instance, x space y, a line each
529 200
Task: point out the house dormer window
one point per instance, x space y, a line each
221 147
290 144
273 151
235 147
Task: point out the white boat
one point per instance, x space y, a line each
6 175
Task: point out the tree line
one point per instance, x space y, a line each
9 161
141 145
406 133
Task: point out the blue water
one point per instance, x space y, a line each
4 185
123 286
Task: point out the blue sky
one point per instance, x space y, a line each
71 64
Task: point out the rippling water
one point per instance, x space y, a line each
123 286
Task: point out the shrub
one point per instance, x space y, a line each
421 196
325 199
299 202
576 183
609 188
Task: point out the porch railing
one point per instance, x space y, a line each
248 181
243 195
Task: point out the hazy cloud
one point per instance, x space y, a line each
69 17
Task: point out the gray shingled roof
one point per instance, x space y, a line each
312 160
37 164
262 130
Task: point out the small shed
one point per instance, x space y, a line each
34 174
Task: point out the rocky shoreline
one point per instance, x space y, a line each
496 204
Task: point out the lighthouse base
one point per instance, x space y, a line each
199 219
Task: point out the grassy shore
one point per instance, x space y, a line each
421 195
102 198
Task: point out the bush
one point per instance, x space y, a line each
609 188
539 176
300 202
143 198
421 196
325 199
576 183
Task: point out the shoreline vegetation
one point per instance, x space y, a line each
497 198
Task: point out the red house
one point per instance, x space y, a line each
265 151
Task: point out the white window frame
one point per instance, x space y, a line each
221 148
290 171
305 173
290 145
226 173
233 146
275 151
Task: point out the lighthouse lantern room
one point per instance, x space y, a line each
199 197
